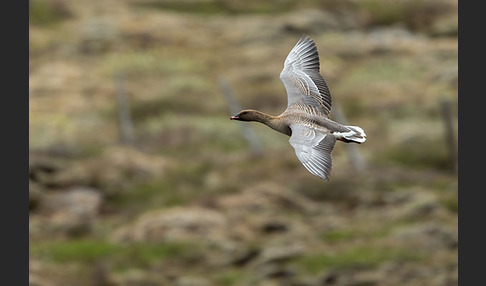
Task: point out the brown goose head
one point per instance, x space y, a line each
249 115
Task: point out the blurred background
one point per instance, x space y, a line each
138 177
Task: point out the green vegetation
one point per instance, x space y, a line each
175 189
417 15
47 13
382 13
230 277
221 7
122 256
342 235
421 153
451 201
363 256
85 251
149 62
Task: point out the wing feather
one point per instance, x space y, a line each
313 148
302 79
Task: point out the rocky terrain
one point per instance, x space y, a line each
187 202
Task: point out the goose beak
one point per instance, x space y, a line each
234 117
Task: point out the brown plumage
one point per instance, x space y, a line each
306 119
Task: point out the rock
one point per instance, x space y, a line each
279 253
192 281
82 200
429 236
266 197
276 271
72 211
175 224
112 171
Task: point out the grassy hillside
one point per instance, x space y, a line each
188 203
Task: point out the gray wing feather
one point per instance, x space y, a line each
313 148
301 77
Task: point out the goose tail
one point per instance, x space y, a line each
356 135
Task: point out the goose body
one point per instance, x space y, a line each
306 119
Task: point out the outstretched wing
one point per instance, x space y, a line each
313 148
302 80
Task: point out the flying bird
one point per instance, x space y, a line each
307 117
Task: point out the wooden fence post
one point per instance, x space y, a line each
450 138
354 156
234 107
124 115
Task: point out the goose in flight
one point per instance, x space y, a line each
306 119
